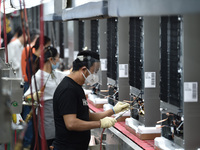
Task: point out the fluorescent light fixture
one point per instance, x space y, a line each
8 7
13 5
81 2
28 3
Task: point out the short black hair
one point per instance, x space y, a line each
85 58
33 34
16 31
37 43
49 51
19 31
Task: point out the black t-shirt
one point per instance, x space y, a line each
69 98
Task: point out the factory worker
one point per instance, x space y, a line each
51 79
15 49
73 120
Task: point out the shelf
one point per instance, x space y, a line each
91 10
127 8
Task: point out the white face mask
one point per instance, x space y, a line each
92 78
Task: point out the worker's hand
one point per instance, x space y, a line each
35 95
108 122
120 106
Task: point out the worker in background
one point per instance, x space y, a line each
51 78
73 120
33 68
34 58
8 32
14 53
16 32
34 34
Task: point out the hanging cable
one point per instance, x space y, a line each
29 72
41 110
18 145
101 138
25 25
32 113
41 89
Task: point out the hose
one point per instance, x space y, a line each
101 138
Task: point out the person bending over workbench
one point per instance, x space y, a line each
72 117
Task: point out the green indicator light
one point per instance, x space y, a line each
15 104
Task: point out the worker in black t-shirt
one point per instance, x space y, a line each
73 120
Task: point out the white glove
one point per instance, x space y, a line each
28 97
35 95
107 122
120 106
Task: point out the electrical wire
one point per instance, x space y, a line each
35 120
132 107
101 138
108 97
104 128
15 136
43 143
25 27
117 101
18 145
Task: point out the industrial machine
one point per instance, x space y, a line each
171 74
11 85
11 99
136 71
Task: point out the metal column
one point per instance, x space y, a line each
72 40
57 34
76 40
34 17
87 34
123 49
65 25
50 31
103 50
191 73
151 64
65 41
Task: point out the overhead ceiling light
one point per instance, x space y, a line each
81 2
8 7
13 5
28 3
